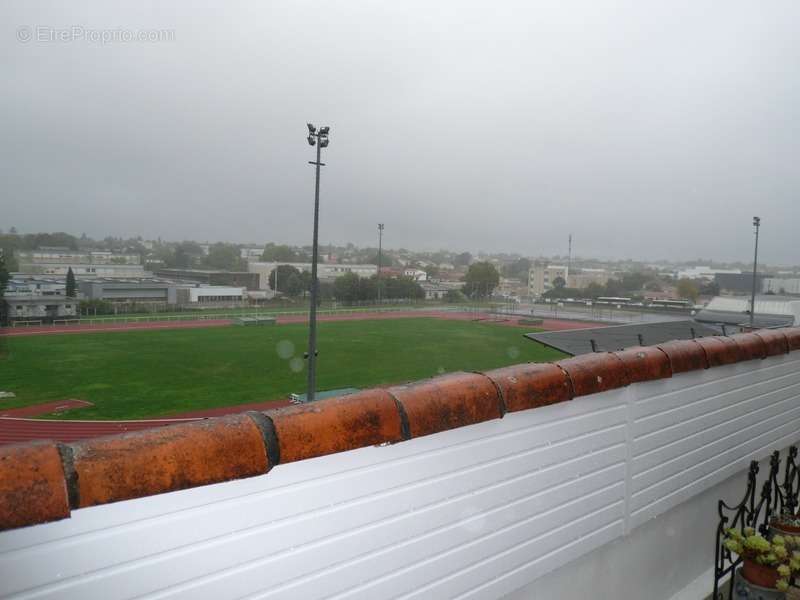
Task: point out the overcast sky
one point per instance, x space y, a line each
647 129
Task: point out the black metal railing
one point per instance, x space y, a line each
776 498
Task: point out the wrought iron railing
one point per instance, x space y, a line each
775 498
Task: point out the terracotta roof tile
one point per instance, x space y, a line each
150 462
775 341
447 402
336 424
645 363
33 487
530 385
593 373
792 337
684 355
719 350
750 345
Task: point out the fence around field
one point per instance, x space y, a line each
155 318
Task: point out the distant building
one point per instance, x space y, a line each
415 274
703 272
23 307
57 261
541 278
771 311
159 292
249 254
738 283
781 285
435 291
583 278
247 279
325 271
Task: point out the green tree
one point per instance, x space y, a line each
72 286
282 253
185 255
463 259
687 289
346 288
432 271
4 274
454 296
559 283
480 280
519 269
223 256
289 280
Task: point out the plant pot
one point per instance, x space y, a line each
784 528
759 575
744 590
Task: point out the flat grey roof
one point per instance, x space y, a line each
617 337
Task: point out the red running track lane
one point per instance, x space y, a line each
13 430
16 429
43 409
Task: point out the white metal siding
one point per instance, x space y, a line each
476 512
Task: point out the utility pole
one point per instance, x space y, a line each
380 244
569 254
320 139
756 224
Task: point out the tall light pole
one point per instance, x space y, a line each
380 244
756 224
320 139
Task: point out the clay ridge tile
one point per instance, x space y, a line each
447 402
792 337
531 385
33 487
336 424
645 363
154 461
751 346
684 355
719 350
775 341
593 373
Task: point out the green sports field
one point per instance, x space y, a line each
137 374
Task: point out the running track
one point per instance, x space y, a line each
18 427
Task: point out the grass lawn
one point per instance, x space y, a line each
137 374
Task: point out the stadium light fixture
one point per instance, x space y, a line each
321 140
756 224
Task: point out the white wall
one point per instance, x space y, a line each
476 512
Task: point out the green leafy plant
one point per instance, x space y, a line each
781 553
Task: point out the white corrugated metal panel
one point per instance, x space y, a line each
474 512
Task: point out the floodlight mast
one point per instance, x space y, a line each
756 224
320 139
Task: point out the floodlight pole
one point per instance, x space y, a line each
756 224
380 243
320 138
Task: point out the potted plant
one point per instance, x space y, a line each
765 563
785 524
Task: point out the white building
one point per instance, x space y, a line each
57 261
541 278
415 274
249 254
27 307
325 271
703 272
781 285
